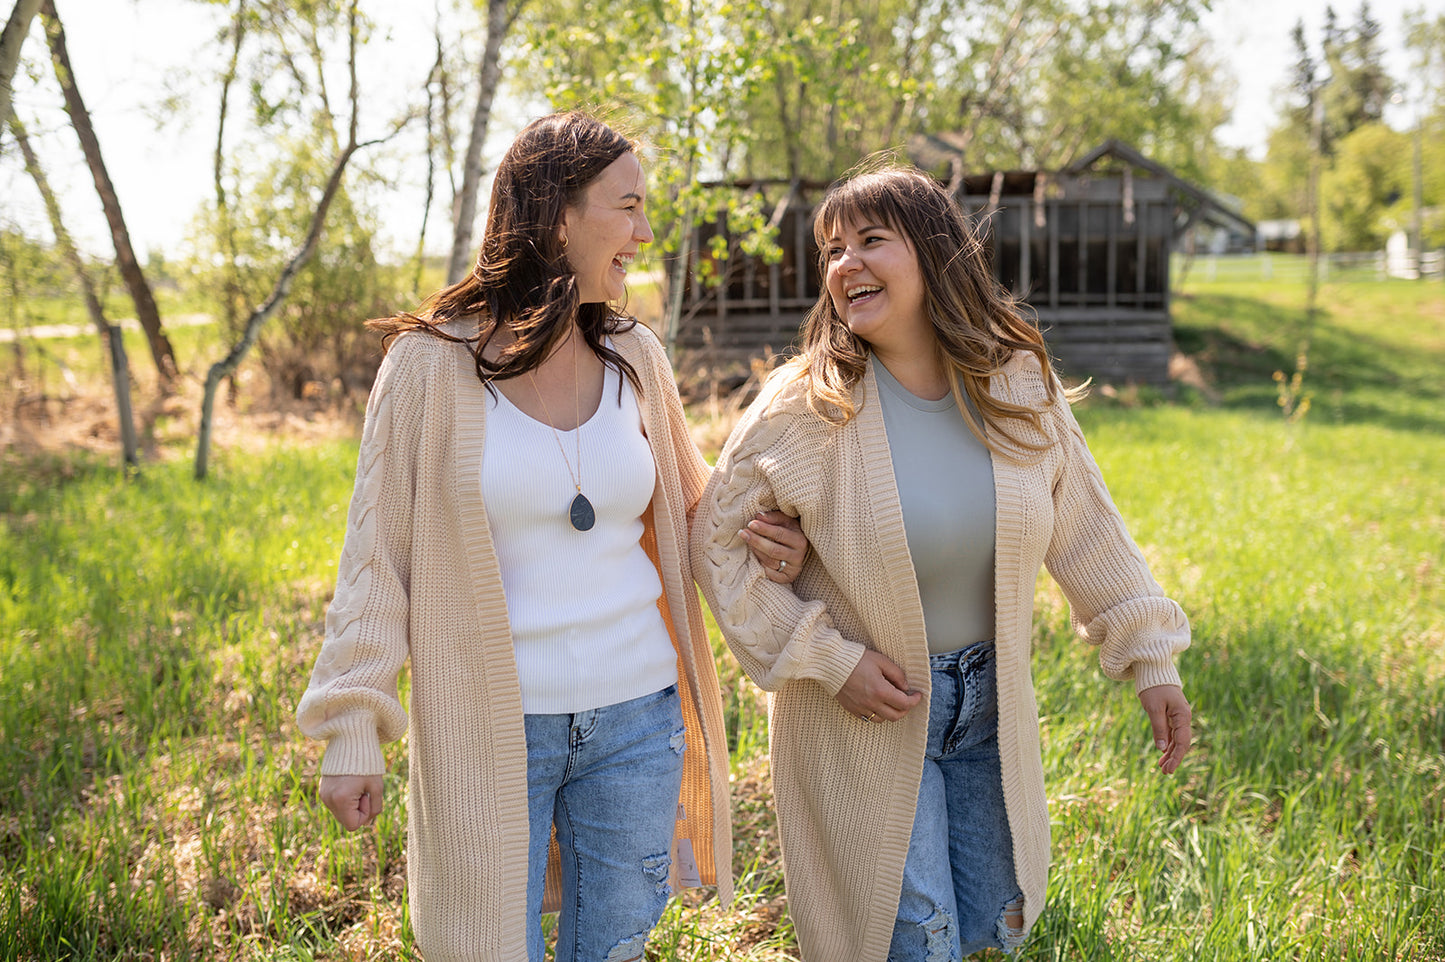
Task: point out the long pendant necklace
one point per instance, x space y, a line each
580 512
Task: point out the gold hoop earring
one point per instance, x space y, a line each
564 242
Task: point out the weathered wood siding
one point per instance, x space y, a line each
1094 270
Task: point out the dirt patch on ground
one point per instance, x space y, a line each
75 418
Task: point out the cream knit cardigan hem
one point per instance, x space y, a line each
845 789
418 579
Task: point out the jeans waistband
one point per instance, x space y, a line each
945 660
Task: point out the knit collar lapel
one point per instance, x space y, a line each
888 524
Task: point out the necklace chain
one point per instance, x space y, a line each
577 404
580 512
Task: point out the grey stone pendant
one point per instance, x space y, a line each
582 515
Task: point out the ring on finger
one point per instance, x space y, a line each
782 565
873 716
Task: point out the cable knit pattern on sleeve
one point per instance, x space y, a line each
352 702
777 637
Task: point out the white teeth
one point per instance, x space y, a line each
858 292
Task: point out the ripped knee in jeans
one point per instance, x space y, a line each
628 950
938 937
1011 924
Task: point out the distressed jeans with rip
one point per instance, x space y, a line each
960 893
609 779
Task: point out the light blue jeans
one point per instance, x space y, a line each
959 879
609 778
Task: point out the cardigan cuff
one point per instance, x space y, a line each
1151 676
835 658
354 747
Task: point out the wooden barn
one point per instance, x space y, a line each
1086 247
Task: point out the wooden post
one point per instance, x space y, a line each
1111 261
1021 288
1054 257
120 376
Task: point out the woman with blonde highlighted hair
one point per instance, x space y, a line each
929 451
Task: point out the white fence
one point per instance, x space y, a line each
1267 266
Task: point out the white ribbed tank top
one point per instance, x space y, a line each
586 627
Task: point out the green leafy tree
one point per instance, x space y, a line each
1138 72
1235 173
293 118
1335 121
316 342
997 85
1283 175
277 141
1366 186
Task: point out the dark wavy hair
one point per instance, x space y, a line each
978 324
522 279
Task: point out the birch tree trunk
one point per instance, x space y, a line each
110 333
501 14
130 270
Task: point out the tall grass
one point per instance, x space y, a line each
156 801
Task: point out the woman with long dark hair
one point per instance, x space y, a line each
929 450
519 532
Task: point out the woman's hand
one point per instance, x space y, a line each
778 542
1169 716
877 690
355 800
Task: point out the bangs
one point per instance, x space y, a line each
870 198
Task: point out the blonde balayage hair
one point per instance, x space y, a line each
978 325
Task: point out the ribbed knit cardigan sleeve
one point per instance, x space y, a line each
351 702
1114 601
775 636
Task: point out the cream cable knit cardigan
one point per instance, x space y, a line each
845 789
418 578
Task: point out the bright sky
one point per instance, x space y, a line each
1253 38
129 54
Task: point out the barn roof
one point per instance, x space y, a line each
1195 203
1199 203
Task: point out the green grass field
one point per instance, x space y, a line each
157 802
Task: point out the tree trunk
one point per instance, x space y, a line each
109 333
130 270
500 16
231 294
11 40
